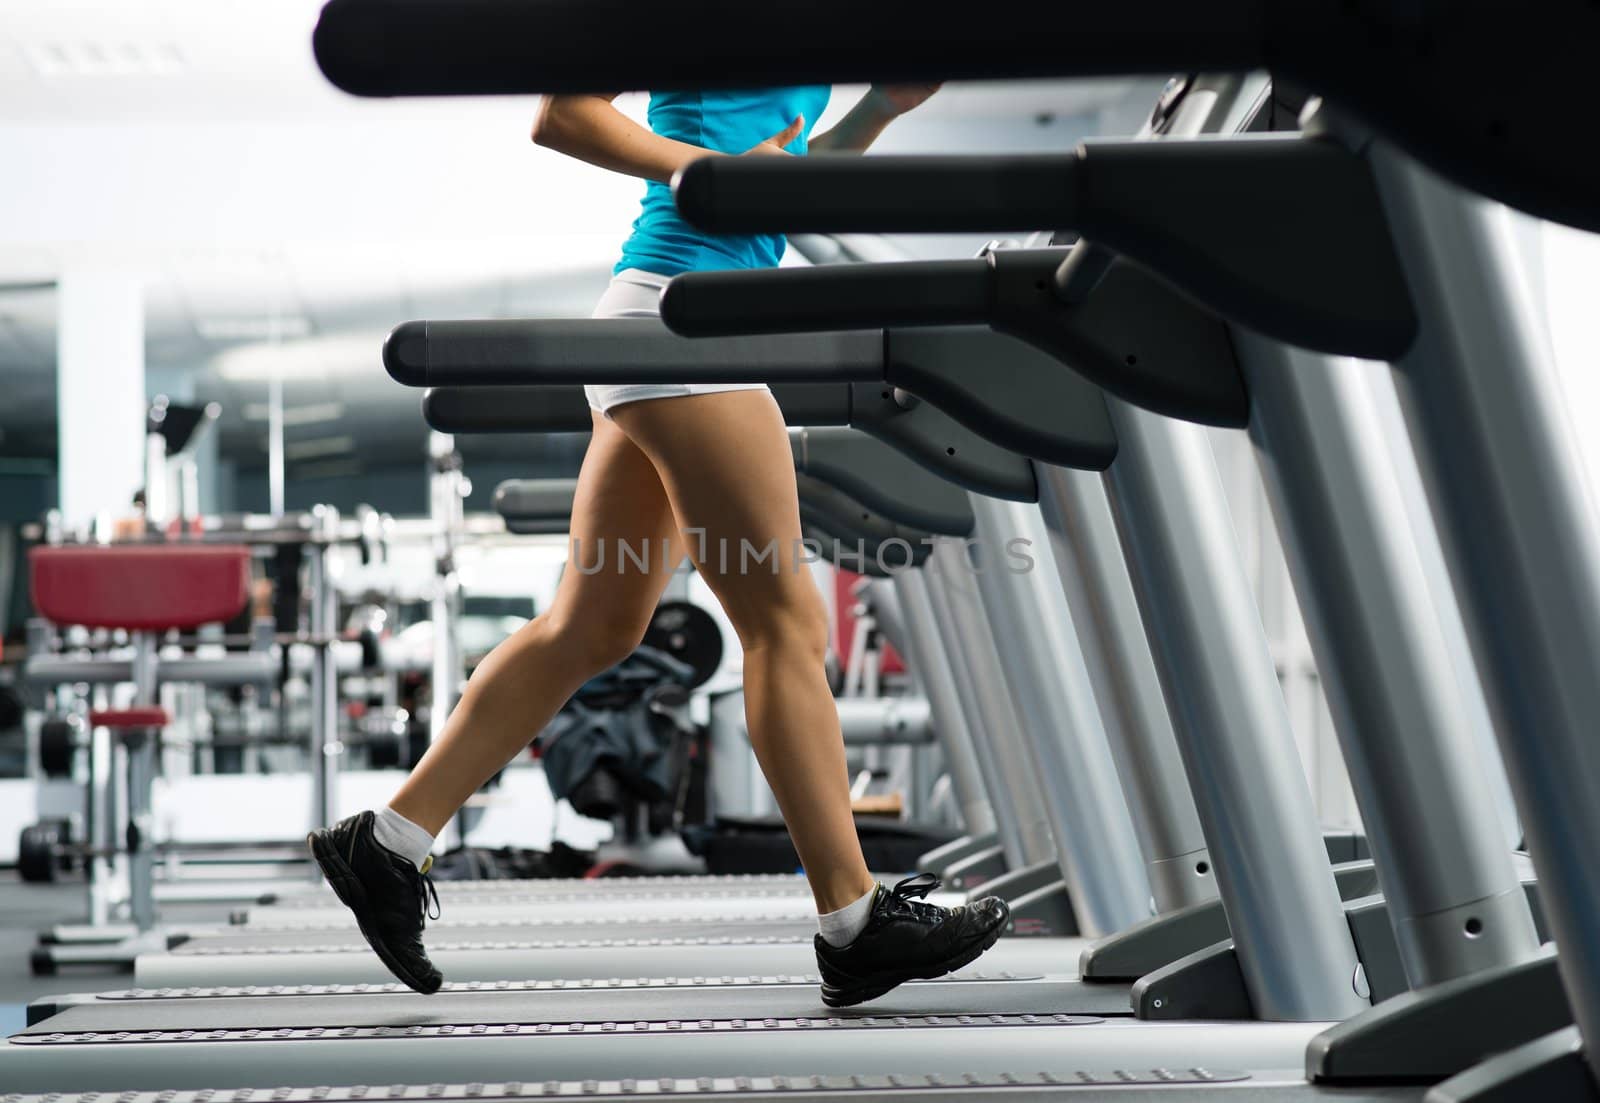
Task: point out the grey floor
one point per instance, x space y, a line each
27 909
24 911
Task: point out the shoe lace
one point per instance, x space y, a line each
906 898
427 896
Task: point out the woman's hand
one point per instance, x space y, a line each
897 99
775 144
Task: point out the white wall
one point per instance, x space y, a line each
1569 263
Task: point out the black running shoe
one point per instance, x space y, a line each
388 895
907 938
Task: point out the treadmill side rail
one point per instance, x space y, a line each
1207 984
1552 1067
1437 1032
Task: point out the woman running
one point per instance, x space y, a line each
694 469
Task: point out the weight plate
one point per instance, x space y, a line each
689 634
36 851
58 742
385 752
11 708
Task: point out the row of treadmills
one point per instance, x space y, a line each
1241 263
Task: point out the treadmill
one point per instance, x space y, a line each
1377 320
593 1007
306 1059
1365 592
1534 507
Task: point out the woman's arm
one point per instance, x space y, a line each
882 105
591 129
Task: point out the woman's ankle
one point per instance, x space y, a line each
842 889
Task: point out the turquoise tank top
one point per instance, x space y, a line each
727 122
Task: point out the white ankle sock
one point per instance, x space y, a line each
397 834
840 928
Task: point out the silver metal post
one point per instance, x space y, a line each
1049 681
1277 888
1094 576
1518 525
931 663
157 482
141 762
141 757
117 892
1425 536
446 513
101 830
325 747
955 594
986 748
1454 897
188 489
275 461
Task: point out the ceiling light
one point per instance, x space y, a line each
319 446
332 469
294 416
254 329
316 358
105 59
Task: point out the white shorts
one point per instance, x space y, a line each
635 293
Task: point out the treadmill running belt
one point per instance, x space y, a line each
961 1001
767 902
538 913
522 935
973 1088
597 957
699 886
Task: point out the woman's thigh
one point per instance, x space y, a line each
624 541
725 463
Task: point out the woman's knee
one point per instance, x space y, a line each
792 626
593 643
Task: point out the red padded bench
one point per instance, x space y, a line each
146 590
139 588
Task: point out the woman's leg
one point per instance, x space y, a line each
596 620
725 463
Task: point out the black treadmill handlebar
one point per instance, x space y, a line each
1284 233
898 194
469 410
513 352
833 297
535 499
511 47
1473 89
564 409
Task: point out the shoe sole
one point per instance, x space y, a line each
348 888
861 993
